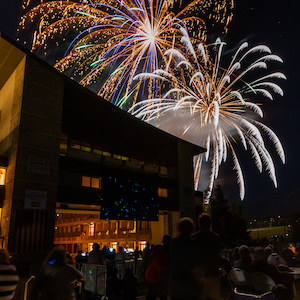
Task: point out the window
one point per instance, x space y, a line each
95 183
92 229
92 182
75 144
162 192
137 161
105 153
63 146
85 147
2 176
163 171
86 181
97 151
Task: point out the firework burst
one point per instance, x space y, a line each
113 40
212 104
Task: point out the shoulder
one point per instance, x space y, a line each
71 269
8 269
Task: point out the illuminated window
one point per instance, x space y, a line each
163 171
92 229
114 245
75 145
97 151
117 156
105 153
95 183
63 146
162 192
86 147
86 181
2 176
125 158
143 245
137 161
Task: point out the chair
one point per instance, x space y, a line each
261 282
240 279
250 296
276 260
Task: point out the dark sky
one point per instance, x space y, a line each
275 23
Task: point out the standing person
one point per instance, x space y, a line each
8 277
79 260
146 252
55 281
183 285
120 259
96 256
157 273
129 285
136 259
207 249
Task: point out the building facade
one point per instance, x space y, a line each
79 170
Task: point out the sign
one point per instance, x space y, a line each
38 165
35 199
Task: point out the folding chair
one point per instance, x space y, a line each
261 282
240 280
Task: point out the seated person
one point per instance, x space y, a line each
259 264
245 257
289 257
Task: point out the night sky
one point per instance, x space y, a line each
275 23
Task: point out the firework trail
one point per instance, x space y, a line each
214 105
111 41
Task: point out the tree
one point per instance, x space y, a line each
228 220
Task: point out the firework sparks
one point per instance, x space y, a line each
213 105
113 40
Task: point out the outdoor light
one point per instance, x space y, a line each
2 175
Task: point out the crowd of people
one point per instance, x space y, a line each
190 266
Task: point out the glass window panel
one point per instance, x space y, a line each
75 144
86 181
95 183
105 153
97 151
162 192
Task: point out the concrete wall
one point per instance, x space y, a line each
186 181
37 161
10 105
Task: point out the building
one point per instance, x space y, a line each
68 157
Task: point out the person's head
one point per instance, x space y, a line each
79 252
4 257
120 249
268 251
244 251
204 221
287 254
96 246
186 226
258 253
57 256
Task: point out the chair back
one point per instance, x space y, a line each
261 282
276 260
239 277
